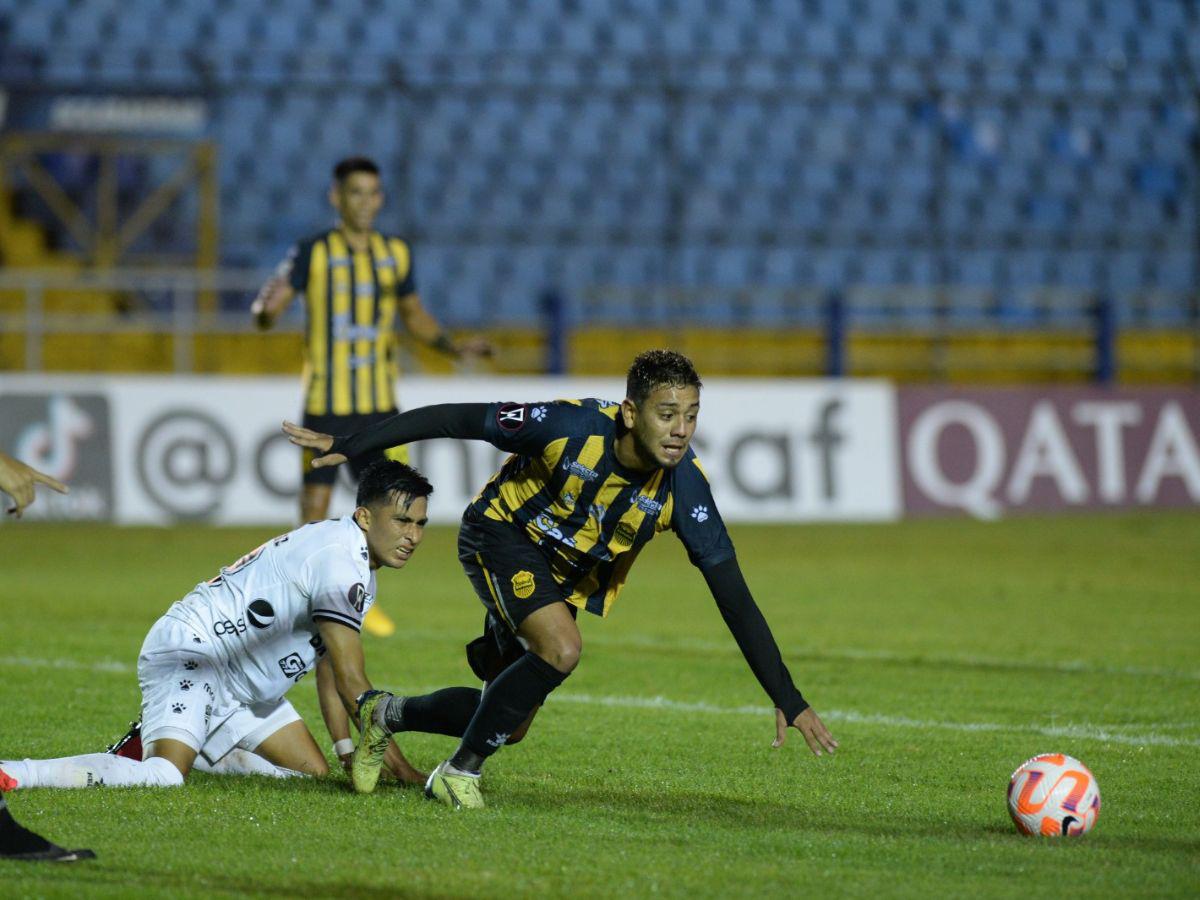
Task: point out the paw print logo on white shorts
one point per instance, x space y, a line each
700 513
178 708
185 685
191 665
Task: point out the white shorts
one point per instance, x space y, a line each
184 697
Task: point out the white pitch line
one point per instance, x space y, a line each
889 656
30 662
1081 731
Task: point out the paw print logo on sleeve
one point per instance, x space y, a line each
700 513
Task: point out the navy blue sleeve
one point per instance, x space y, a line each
695 517
408 282
295 267
526 428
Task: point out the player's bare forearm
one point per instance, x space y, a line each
343 647
420 324
425 328
272 300
337 720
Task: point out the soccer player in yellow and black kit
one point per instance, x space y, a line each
356 284
556 530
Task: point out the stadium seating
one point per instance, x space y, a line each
1042 153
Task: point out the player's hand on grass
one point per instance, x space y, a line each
809 724
18 480
401 769
314 440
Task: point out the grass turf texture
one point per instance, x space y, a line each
942 654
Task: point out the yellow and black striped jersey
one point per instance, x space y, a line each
588 513
350 300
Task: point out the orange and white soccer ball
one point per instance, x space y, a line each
1053 794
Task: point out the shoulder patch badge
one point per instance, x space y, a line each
523 584
511 416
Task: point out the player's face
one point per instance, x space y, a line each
663 425
358 199
393 528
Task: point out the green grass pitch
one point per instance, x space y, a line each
941 654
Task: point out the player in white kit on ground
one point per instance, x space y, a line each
215 668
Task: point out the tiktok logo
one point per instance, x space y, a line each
53 445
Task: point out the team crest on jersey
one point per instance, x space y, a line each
260 613
523 584
625 534
358 597
511 417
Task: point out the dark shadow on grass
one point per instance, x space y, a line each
127 874
1161 844
807 814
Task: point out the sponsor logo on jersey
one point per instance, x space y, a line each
228 626
648 505
523 584
359 597
625 534
579 470
511 417
292 666
260 613
550 528
317 644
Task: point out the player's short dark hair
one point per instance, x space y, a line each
351 164
380 480
659 368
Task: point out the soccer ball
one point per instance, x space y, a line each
1053 794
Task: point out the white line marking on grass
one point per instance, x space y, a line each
1079 732
889 656
30 662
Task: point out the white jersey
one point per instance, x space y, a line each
259 617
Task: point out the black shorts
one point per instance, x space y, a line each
339 425
512 579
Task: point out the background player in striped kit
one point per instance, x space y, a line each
357 285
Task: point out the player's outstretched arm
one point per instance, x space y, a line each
424 327
18 480
749 628
314 440
809 724
443 420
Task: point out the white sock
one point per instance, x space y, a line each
242 762
93 769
